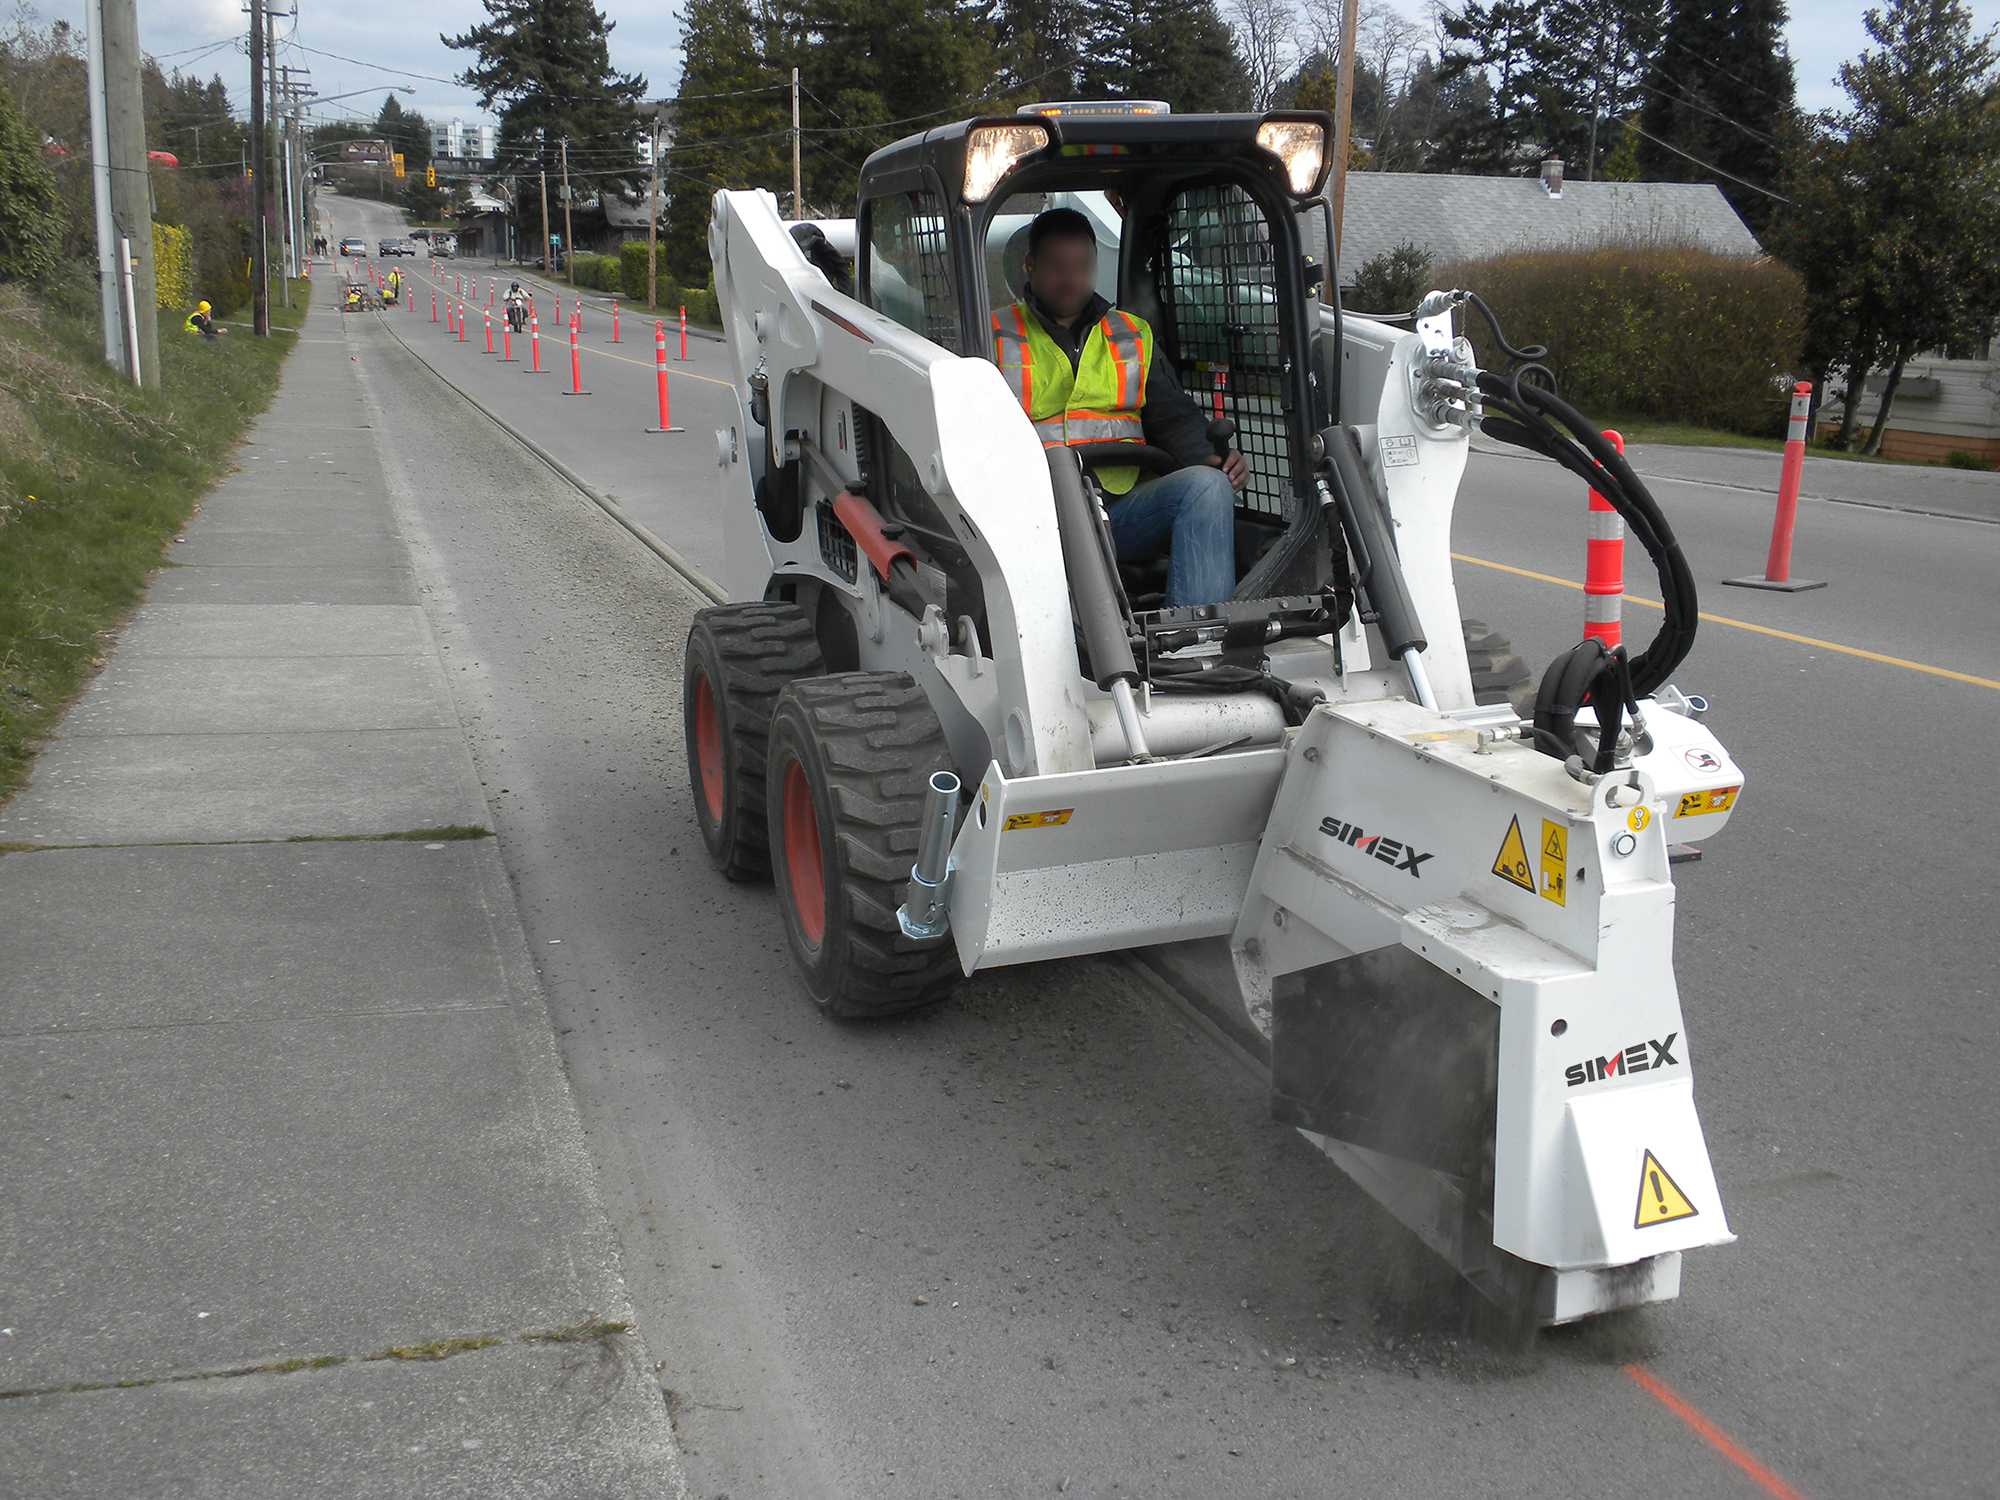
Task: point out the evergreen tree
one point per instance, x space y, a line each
876 70
193 120
1503 44
1718 96
728 128
1176 50
1600 52
1894 219
1045 39
547 63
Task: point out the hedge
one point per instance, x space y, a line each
598 272
1678 334
699 301
173 266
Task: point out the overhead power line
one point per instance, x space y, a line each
1707 166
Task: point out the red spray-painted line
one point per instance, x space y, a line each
1709 1433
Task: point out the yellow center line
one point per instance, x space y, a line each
1783 635
563 343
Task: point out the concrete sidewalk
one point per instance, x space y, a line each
296 1200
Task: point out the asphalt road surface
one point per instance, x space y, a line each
1046 1239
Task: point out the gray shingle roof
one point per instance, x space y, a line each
1470 218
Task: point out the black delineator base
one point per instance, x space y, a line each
1788 586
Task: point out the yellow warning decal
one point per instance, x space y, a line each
1637 819
1717 799
1660 1199
1511 864
1054 818
1555 862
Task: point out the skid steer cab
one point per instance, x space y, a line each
959 732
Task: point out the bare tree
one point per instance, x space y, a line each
1268 40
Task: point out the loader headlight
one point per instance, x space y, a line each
1301 146
991 152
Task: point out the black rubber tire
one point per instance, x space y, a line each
740 656
1496 670
863 747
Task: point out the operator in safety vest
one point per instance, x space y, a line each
1086 372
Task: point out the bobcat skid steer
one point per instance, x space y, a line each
958 734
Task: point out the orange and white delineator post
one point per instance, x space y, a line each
660 373
1604 566
1778 564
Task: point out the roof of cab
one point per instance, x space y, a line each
942 147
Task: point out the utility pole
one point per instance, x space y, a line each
569 249
1343 115
653 220
275 121
110 309
798 210
131 181
548 261
260 269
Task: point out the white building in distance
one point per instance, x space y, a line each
460 141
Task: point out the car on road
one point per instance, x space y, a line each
354 245
396 246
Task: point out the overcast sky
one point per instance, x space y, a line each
398 44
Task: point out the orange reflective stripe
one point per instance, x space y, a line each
1018 371
1027 363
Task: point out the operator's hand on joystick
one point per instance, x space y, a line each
1220 431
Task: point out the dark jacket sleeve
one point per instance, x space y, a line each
1171 419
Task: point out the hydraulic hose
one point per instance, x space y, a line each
1525 410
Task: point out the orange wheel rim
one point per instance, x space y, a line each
708 747
802 856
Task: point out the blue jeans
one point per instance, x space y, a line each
1189 514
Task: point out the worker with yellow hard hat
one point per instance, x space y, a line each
199 321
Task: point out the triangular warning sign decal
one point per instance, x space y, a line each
1511 864
1660 1199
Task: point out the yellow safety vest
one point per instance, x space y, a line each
1097 401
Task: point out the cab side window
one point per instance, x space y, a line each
909 273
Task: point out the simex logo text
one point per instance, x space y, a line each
1392 852
1640 1057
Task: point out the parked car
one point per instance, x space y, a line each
398 247
354 245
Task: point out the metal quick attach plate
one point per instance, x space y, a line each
1092 861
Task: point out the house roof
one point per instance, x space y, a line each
1471 218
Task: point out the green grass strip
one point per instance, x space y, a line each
95 478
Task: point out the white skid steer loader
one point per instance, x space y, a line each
958 734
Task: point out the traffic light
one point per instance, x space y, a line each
430 176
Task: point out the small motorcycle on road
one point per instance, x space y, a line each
519 306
